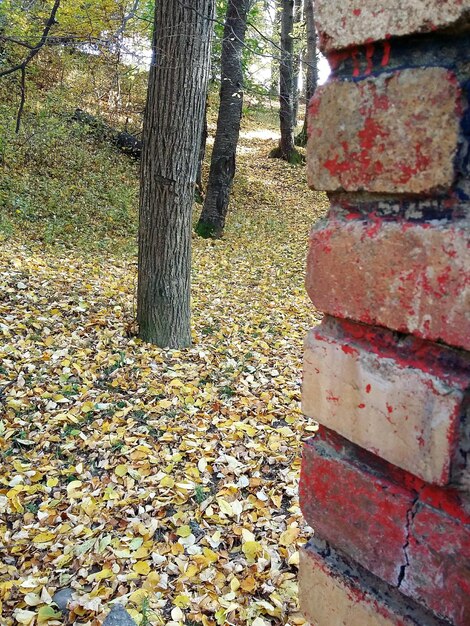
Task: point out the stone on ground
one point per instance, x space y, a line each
119 617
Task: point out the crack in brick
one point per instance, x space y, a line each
410 515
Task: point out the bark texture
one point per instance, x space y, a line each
172 131
296 62
312 66
199 195
286 97
275 45
212 220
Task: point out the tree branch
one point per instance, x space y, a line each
18 42
127 18
21 67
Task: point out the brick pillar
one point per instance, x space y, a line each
385 484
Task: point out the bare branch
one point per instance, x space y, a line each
21 67
35 49
126 19
18 42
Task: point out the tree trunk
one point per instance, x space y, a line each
286 148
296 63
212 220
312 67
199 195
171 138
273 6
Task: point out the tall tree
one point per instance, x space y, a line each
286 149
171 138
273 10
311 61
296 58
212 220
286 95
199 195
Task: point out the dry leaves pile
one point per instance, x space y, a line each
166 479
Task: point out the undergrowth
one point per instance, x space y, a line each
60 186
165 480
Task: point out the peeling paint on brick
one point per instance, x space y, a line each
389 140
343 23
383 135
392 395
410 277
335 591
409 534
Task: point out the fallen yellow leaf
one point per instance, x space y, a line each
142 568
43 537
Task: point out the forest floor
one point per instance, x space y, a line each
164 479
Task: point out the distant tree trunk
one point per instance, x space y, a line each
286 80
199 196
312 67
212 220
296 63
275 10
286 149
171 138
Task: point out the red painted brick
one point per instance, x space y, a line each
438 574
388 394
360 513
344 23
409 534
397 133
334 591
414 278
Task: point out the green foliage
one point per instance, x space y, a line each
147 12
75 21
204 230
257 48
199 494
81 61
145 609
58 186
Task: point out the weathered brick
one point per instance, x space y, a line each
344 23
360 513
388 394
397 133
409 534
414 278
335 591
438 574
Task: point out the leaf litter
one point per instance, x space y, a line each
162 479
